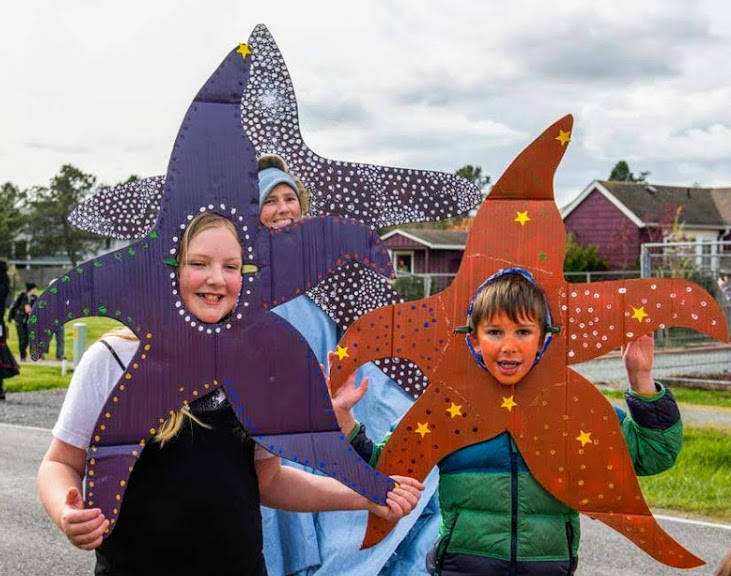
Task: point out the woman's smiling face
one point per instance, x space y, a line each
210 276
281 207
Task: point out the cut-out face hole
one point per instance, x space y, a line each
210 274
508 349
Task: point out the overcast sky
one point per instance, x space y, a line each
419 84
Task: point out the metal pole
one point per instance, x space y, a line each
79 342
644 262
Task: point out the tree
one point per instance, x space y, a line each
474 175
622 173
11 218
49 207
580 258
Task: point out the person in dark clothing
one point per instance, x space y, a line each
20 312
8 366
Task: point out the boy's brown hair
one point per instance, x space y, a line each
515 296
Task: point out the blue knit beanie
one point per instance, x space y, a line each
271 177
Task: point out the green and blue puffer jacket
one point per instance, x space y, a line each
496 519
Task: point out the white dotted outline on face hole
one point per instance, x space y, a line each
201 327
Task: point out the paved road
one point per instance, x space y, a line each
31 545
610 368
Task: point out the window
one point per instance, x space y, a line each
403 262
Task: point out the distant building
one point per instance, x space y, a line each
426 251
620 216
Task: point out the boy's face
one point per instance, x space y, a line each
508 348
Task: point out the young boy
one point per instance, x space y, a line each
508 524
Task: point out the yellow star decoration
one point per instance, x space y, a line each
455 410
341 352
423 429
522 217
243 49
508 403
584 438
563 137
639 314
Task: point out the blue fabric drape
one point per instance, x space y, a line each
328 543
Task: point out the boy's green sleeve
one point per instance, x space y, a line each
364 446
653 430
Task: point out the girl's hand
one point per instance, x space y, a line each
84 527
347 396
400 501
638 358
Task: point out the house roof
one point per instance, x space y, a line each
647 204
434 239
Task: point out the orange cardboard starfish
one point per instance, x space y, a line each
566 431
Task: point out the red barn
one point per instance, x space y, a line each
426 251
620 216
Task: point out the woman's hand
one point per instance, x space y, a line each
347 396
400 501
638 357
84 527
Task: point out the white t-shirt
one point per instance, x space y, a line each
93 380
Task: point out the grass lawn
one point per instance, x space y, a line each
720 398
700 481
95 327
37 377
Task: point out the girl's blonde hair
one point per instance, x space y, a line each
275 161
204 221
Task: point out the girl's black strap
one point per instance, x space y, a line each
109 347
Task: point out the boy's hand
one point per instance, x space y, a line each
638 357
347 397
400 501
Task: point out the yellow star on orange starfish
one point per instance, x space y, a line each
455 410
341 352
243 49
563 136
508 403
639 313
584 438
522 217
423 429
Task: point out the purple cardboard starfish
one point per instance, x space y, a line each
263 364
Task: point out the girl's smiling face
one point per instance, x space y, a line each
210 276
508 348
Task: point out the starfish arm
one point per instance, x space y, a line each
418 331
286 406
602 315
378 195
443 420
125 211
142 399
530 175
351 292
304 253
571 440
97 287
